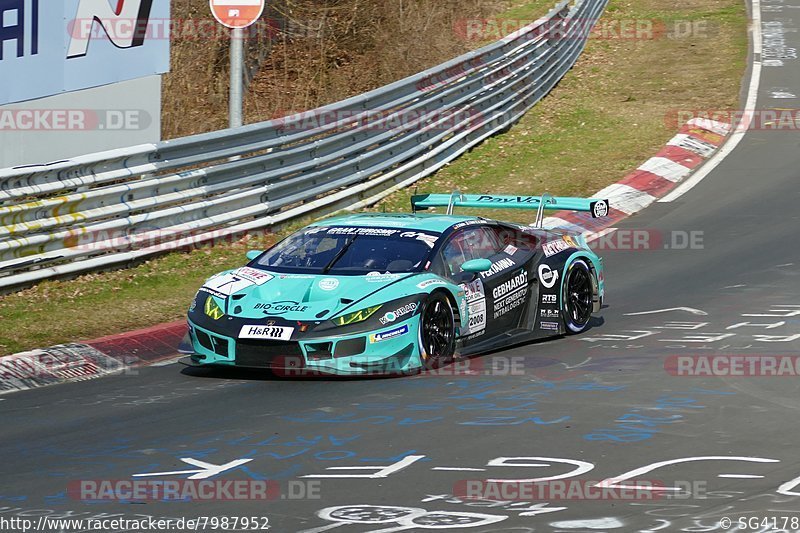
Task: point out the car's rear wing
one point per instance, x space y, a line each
597 207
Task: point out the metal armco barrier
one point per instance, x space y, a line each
108 209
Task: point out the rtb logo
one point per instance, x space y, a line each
125 26
13 23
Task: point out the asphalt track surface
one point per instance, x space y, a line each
605 404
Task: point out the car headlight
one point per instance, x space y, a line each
212 309
354 318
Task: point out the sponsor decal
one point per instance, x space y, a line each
509 199
549 313
498 266
377 277
516 283
266 332
313 231
510 249
296 276
391 316
212 309
473 290
430 283
381 232
474 335
569 240
193 306
427 238
279 308
476 306
549 298
550 326
553 247
255 276
600 208
510 302
328 284
212 291
387 335
466 223
510 294
547 276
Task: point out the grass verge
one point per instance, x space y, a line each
604 119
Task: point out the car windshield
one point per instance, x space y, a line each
347 250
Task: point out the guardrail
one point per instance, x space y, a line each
108 209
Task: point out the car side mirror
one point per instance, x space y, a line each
252 254
476 265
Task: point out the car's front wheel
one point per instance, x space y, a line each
577 297
437 338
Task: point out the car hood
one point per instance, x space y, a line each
300 297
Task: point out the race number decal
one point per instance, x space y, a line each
476 306
226 284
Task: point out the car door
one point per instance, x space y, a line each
515 299
481 242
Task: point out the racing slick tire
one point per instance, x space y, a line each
437 336
577 297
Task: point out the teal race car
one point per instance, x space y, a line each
382 293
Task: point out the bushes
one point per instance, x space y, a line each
313 52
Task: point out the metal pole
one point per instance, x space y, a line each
237 71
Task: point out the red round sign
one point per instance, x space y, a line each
237 13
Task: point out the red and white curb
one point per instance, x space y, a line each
82 361
696 142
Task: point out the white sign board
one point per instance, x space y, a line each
68 45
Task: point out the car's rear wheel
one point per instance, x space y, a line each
577 297
437 338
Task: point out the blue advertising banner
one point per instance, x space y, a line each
49 47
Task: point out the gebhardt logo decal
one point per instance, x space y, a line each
520 280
